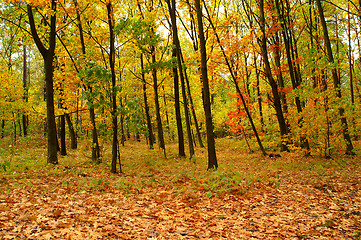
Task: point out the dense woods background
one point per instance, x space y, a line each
280 75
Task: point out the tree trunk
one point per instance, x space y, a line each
212 157
259 96
2 128
62 136
25 87
156 100
172 12
336 81
114 92
192 107
73 140
350 54
178 117
48 56
146 106
279 75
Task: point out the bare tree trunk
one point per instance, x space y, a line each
2 128
156 100
172 12
146 106
350 54
192 107
212 157
259 97
48 55
178 117
25 87
62 136
114 92
73 140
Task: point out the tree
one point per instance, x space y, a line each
172 12
110 14
212 157
48 56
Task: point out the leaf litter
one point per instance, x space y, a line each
249 197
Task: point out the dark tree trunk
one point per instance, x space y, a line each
25 97
172 12
259 96
178 116
192 107
48 55
122 138
62 136
73 139
95 146
336 81
2 128
146 106
280 81
193 36
156 100
114 92
212 157
350 54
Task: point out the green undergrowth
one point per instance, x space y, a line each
23 165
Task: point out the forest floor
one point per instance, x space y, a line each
248 197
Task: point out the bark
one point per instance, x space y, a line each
212 157
259 97
2 128
178 117
156 101
336 80
73 139
96 157
114 92
192 107
279 74
48 56
350 54
25 87
172 12
62 136
146 106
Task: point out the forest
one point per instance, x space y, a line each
166 119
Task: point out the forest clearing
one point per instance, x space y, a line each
248 197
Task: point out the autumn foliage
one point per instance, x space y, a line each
270 89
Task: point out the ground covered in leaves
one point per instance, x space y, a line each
248 197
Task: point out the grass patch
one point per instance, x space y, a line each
144 169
